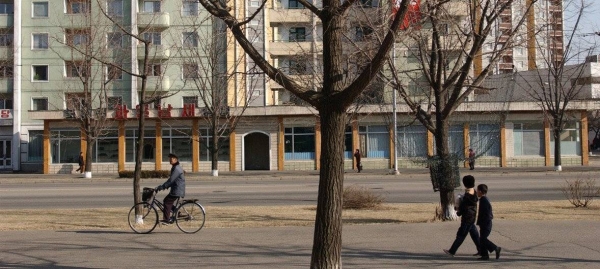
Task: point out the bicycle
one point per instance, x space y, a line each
189 215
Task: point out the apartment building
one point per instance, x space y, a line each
43 67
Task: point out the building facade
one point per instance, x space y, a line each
276 131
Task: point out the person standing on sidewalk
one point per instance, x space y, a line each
484 221
467 209
471 159
358 163
81 163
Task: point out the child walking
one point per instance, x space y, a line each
467 210
484 220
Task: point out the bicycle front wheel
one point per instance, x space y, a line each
190 217
145 220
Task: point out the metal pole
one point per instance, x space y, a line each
395 172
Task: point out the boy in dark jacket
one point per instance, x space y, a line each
484 220
467 209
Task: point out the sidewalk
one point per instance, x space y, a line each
525 244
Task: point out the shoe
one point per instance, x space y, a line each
477 254
484 258
166 222
498 249
448 253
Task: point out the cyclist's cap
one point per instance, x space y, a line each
172 155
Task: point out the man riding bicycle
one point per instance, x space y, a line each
176 182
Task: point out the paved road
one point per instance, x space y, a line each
272 188
526 244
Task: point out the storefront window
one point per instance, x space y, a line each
36 146
374 141
65 146
412 141
299 143
107 149
529 139
149 145
570 143
485 139
206 144
177 141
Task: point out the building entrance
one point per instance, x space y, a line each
256 152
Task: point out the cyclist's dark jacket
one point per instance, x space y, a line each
467 208
176 181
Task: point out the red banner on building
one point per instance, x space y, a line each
413 15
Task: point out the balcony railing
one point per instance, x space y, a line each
157 52
159 83
153 20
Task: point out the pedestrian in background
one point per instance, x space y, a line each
484 221
358 163
81 163
471 159
467 209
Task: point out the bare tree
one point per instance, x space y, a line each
445 63
334 97
86 98
555 86
206 67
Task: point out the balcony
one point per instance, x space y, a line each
156 52
6 20
158 20
281 16
293 48
156 83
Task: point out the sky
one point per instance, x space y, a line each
590 24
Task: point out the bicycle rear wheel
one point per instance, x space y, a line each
146 219
190 217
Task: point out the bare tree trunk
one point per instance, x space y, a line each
557 160
446 186
327 243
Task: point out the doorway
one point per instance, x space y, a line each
256 152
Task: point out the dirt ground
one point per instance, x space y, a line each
271 216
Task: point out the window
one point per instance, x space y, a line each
40 41
75 101
40 9
39 103
114 101
412 141
189 8
297 67
153 70
485 139
113 73
297 34
299 143
206 145
528 139
6 8
362 32
114 7
77 69
294 4
36 146
374 141
115 40
190 71
77 6
187 100
6 40
6 71
190 40
570 143
151 7
254 3
107 147
153 37
40 72
65 145
77 37
6 103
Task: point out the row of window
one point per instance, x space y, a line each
75 99
65 145
40 9
113 40
299 143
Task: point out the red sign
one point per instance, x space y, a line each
146 111
189 110
164 113
5 114
121 112
413 15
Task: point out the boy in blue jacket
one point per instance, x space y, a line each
484 220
